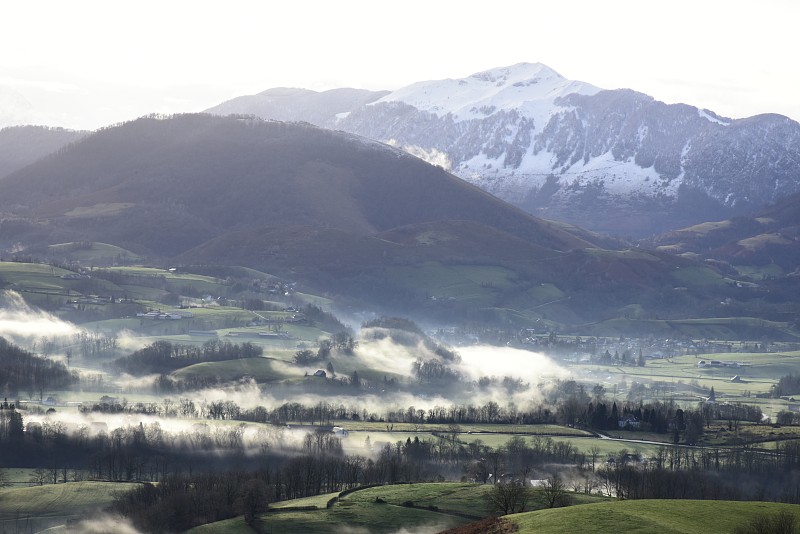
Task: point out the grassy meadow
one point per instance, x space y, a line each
427 507
94 253
756 372
647 517
35 508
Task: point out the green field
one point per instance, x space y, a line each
647 517
33 276
760 272
175 281
457 497
228 526
228 322
477 285
559 430
718 328
261 369
316 300
318 501
99 210
757 372
363 518
607 447
40 507
427 507
94 252
359 512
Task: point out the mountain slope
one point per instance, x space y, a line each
770 239
22 145
356 219
288 104
170 185
614 161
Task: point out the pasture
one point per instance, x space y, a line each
478 285
681 376
425 507
92 253
36 508
646 517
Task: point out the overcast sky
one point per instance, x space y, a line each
85 64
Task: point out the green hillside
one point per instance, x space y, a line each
40 507
647 517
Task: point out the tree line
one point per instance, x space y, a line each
316 463
23 371
164 357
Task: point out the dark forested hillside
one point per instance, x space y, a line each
767 237
22 372
167 185
164 357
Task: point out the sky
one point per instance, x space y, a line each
88 64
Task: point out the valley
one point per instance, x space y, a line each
175 364
509 302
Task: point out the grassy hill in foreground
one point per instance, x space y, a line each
35 508
647 517
420 507
433 504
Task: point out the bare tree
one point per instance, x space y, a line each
253 499
555 492
509 497
594 452
39 476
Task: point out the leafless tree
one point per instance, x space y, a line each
509 497
39 476
594 452
555 492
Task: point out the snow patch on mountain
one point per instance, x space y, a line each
712 117
617 178
432 156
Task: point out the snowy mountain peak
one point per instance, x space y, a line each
519 73
529 88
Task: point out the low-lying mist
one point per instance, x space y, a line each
21 323
480 374
102 524
485 360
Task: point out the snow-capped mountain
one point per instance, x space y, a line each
615 161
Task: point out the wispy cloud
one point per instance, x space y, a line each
20 321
